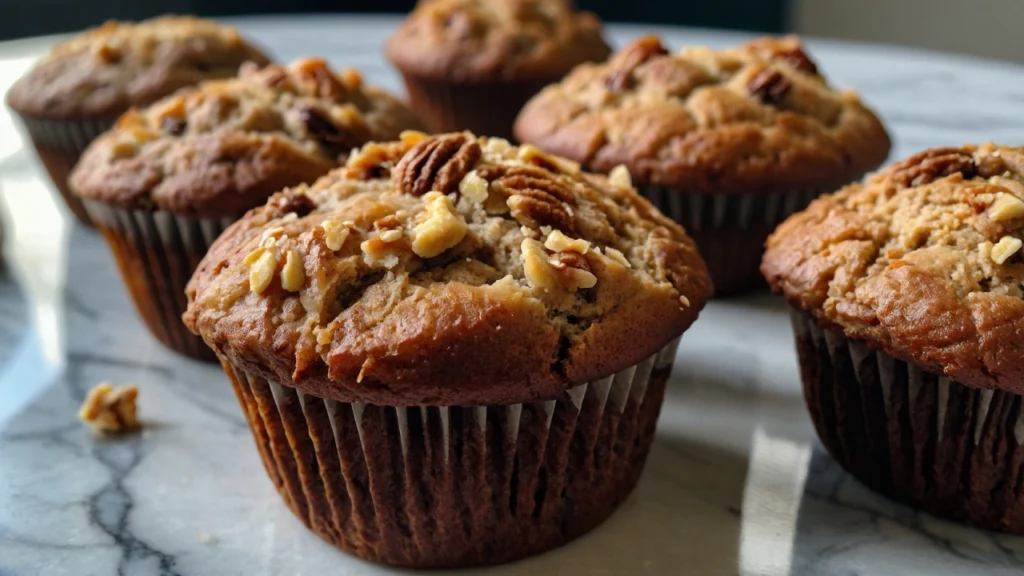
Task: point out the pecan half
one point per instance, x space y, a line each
629 58
535 196
931 165
437 163
769 86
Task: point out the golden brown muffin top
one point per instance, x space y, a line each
496 40
448 270
106 70
922 260
760 117
227 145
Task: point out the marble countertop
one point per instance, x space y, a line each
736 482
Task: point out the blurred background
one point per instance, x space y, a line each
980 27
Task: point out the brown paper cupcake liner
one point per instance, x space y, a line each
59 144
157 251
486 109
450 486
730 229
914 436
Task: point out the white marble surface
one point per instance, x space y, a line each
736 482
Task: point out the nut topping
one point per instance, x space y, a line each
931 165
558 242
323 129
474 188
539 272
1006 207
335 234
572 270
293 275
617 256
438 163
620 177
1005 248
769 86
443 227
629 58
532 155
262 265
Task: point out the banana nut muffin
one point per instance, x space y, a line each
78 90
727 142
472 64
907 303
167 179
452 351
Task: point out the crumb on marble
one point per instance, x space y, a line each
110 410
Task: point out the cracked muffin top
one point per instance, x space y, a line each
226 146
496 40
104 71
922 260
758 118
448 270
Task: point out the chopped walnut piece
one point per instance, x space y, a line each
572 270
109 410
262 265
1006 207
684 301
474 188
1006 247
382 250
335 234
617 256
558 242
769 86
441 229
539 272
293 275
530 154
619 176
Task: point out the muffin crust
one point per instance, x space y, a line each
447 270
106 70
227 145
495 40
760 117
922 260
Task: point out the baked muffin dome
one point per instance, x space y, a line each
757 118
447 270
106 70
492 40
923 260
226 146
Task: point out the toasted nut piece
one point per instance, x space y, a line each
335 234
572 270
558 242
1006 247
684 301
474 187
617 256
620 176
293 275
109 410
1006 207
496 149
531 154
391 236
442 228
381 250
261 269
539 272
412 137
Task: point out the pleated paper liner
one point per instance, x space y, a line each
914 436
450 486
59 144
486 109
730 229
157 251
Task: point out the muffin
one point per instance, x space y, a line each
167 180
451 352
78 90
472 64
728 143
906 295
